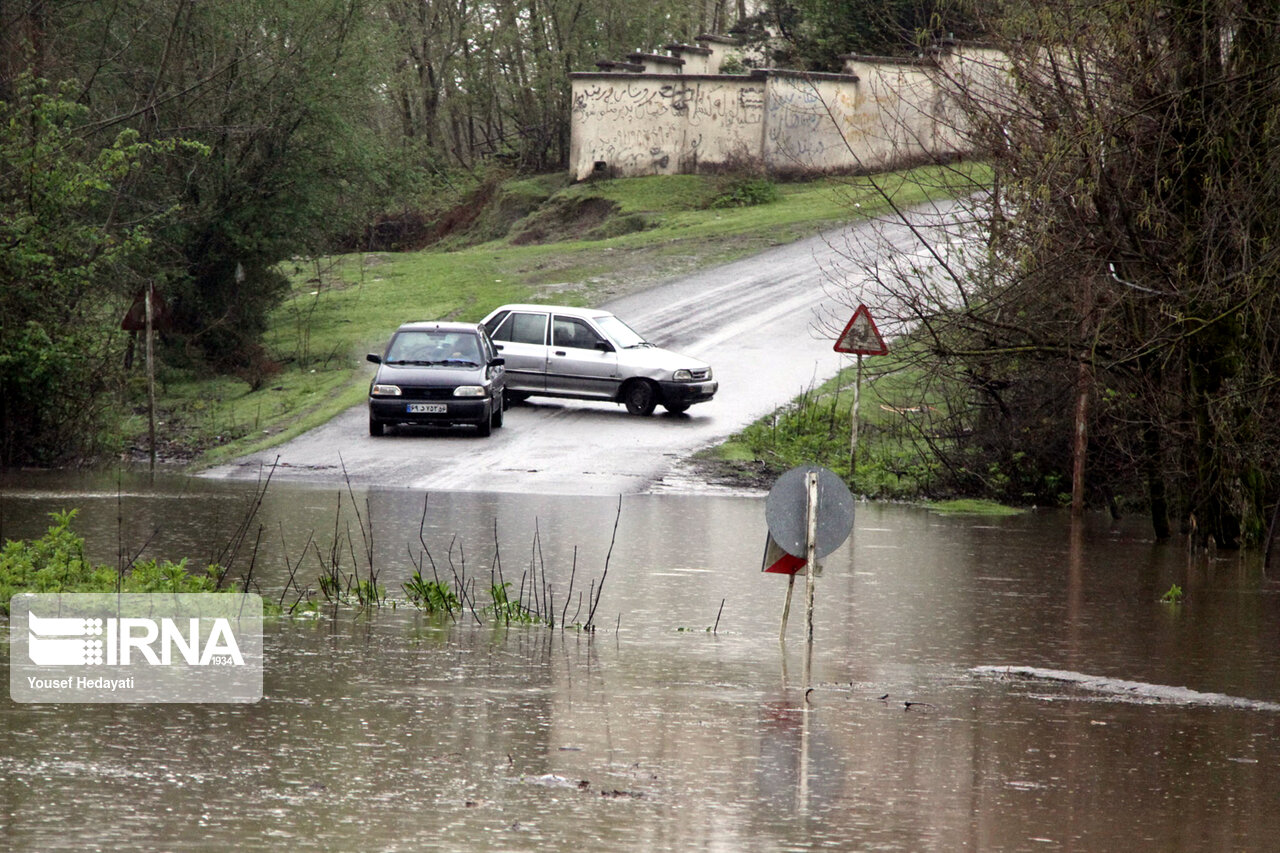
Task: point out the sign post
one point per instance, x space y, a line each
809 511
810 550
860 337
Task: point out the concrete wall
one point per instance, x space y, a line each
829 123
642 124
879 114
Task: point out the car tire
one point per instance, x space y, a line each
676 408
485 427
495 420
640 397
376 427
513 398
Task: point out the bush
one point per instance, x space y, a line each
745 192
56 563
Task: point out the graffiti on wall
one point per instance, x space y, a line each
641 124
695 103
822 126
646 127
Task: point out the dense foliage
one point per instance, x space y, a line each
56 562
1116 323
191 147
68 258
815 35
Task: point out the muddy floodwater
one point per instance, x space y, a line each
975 684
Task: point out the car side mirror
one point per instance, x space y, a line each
498 362
604 346
373 357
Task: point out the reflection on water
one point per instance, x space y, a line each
391 731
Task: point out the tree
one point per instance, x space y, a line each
476 82
1125 282
277 93
814 35
66 260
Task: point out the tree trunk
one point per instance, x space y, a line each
1080 438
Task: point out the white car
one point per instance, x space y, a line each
589 354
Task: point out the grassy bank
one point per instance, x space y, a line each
903 435
895 427
579 244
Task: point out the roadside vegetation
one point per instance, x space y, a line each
339 307
910 444
56 562
343 574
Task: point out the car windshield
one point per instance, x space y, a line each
434 347
622 334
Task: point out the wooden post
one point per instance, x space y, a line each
853 432
786 608
151 379
1080 440
810 551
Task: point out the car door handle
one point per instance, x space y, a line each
560 352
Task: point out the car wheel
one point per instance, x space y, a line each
376 428
496 419
640 398
676 408
513 398
485 427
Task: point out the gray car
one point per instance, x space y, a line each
437 374
589 354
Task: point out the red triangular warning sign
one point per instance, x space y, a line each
779 561
860 336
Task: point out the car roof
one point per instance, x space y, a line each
567 310
438 326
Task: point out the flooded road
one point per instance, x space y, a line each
976 684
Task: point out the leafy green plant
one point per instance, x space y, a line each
56 562
342 589
745 192
1173 595
431 595
503 608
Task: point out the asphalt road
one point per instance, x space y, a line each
763 323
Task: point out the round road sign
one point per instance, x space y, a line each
786 506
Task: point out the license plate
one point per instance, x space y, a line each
426 408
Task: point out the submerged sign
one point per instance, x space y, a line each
159 647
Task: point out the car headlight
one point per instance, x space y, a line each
682 376
469 391
385 390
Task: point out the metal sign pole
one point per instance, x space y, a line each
810 558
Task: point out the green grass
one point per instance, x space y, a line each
969 506
340 308
895 413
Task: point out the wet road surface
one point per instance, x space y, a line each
763 323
